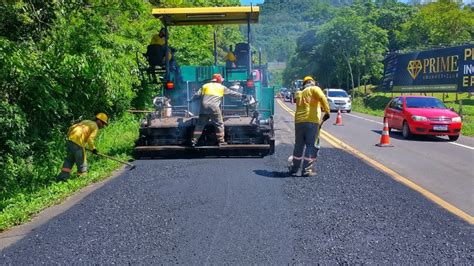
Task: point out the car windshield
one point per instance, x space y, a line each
299 83
422 102
337 94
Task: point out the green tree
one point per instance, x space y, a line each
392 15
349 46
443 22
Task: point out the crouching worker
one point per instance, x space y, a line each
309 101
211 95
79 135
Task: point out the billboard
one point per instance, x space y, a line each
439 70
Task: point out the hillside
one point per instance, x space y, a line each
282 22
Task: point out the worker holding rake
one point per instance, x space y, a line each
80 135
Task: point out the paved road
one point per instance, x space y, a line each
248 211
442 167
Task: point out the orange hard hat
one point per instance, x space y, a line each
217 78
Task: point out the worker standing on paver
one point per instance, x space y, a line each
79 135
211 97
309 101
230 59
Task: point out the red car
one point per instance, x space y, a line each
421 115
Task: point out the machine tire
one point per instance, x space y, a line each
453 138
406 133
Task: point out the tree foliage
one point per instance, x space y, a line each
440 23
344 50
63 61
346 46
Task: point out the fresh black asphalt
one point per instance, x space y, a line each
249 211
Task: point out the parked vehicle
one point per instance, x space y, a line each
338 100
422 115
285 94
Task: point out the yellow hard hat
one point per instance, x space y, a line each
307 78
102 117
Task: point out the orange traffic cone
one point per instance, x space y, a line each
338 119
385 138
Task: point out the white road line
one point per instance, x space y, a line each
363 118
462 145
373 121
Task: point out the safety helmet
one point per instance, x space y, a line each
162 32
307 78
217 78
102 117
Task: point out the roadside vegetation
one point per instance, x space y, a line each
27 198
62 62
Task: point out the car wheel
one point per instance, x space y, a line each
406 131
453 138
348 111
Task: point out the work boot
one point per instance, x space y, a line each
292 170
308 173
308 169
293 165
62 177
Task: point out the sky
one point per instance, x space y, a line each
247 2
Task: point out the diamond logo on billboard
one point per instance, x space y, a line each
414 68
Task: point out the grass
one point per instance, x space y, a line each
374 104
116 140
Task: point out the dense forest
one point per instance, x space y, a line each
342 43
64 61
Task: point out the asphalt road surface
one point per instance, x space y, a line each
248 211
437 164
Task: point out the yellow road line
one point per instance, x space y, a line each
343 146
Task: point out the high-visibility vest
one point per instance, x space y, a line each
83 132
213 89
309 102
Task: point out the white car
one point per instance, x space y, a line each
338 100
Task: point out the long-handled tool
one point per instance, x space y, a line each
318 141
132 166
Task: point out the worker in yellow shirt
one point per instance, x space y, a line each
155 53
230 59
309 101
80 135
159 39
211 95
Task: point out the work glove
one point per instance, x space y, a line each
244 99
94 151
326 116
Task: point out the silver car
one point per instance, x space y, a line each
338 100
